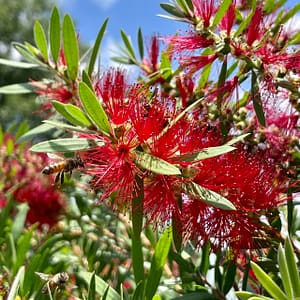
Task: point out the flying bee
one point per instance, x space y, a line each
62 166
54 282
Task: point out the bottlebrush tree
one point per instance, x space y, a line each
202 147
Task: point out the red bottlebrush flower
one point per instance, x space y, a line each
150 65
204 9
251 184
191 42
116 95
53 91
195 63
185 85
228 19
112 168
45 202
256 27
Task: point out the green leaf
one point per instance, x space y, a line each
54 33
23 50
140 43
172 10
63 145
96 47
206 153
93 108
257 104
246 20
237 139
247 295
101 285
78 115
19 221
92 288
223 7
207 196
156 164
70 47
266 281
17 88
284 272
86 79
228 278
40 39
17 64
67 127
36 131
13 293
292 267
165 66
159 258
128 44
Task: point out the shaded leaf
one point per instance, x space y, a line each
207 196
140 43
63 145
172 10
65 126
128 44
156 164
159 258
257 103
36 131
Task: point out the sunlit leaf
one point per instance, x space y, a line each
222 9
92 288
67 127
17 64
40 39
70 47
267 282
96 47
93 107
17 88
54 33
78 115
127 44
156 164
63 145
172 10
210 197
284 272
13 292
237 139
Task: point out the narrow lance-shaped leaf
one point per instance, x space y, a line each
54 34
161 252
207 196
92 288
18 88
223 7
96 47
156 164
70 47
284 272
78 114
67 127
64 145
86 79
24 51
140 43
13 293
257 104
128 45
292 267
93 108
172 10
237 139
62 109
17 64
40 39
267 282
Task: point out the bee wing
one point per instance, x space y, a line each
43 276
55 156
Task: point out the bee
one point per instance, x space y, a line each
54 282
63 166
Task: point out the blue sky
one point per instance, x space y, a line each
127 15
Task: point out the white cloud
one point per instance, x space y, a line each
105 4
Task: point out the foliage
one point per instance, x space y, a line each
181 181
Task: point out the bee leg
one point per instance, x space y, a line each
57 178
62 177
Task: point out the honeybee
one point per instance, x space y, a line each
54 282
62 166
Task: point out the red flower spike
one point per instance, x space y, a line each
256 27
204 9
150 65
113 170
228 19
116 94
